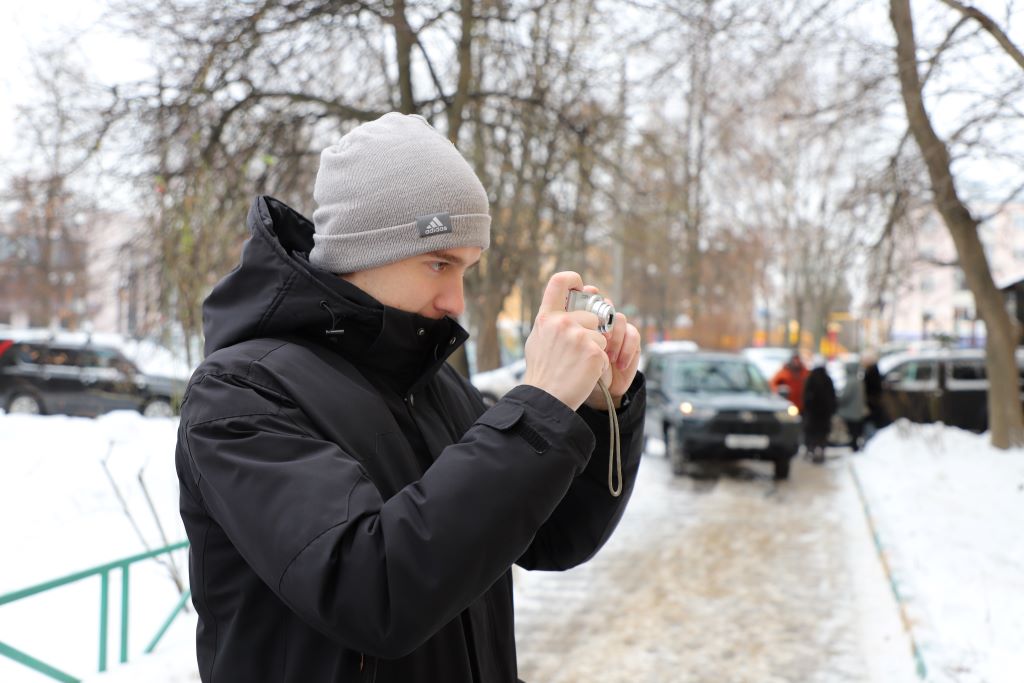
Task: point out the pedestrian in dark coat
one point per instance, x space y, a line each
819 407
353 509
878 416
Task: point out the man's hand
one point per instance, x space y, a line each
623 351
565 354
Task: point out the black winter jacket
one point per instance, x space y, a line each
352 509
819 401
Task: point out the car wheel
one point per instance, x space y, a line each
24 404
676 452
782 467
158 408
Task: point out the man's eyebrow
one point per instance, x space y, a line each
452 258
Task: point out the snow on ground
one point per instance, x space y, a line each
62 514
948 510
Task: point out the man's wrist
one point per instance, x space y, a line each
597 401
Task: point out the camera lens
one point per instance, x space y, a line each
592 303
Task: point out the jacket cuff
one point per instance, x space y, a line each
552 420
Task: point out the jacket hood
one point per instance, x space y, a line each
275 292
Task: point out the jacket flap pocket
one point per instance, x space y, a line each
503 416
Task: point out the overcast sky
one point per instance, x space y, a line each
29 26
110 57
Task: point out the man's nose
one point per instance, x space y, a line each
451 300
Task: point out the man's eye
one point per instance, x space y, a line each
439 266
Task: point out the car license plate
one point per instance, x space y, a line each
746 441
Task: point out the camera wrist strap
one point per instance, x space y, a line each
615 446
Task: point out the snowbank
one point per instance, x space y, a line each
949 513
73 495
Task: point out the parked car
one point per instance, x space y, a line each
44 373
714 406
493 384
948 386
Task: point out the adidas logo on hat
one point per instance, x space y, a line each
434 224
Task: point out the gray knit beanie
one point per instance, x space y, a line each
391 189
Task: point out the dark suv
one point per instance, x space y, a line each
948 386
718 406
68 374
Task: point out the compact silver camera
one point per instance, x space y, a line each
594 303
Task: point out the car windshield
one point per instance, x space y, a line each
716 376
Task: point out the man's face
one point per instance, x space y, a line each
429 284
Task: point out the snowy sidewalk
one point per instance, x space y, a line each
723 578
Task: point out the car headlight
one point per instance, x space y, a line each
790 414
692 412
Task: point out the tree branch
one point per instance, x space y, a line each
991 26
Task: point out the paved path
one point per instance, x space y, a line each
727 579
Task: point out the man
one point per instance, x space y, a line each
352 509
851 406
792 375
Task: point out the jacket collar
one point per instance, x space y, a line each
404 349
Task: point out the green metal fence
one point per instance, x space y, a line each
103 571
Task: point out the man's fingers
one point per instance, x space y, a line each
616 337
557 291
584 318
630 347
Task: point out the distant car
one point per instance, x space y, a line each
768 359
841 367
948 386
493 384
662 348
45 373
672 346
718 406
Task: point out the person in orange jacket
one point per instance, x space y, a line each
793 375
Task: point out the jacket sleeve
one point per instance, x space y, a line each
588 514
377 576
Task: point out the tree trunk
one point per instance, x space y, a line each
488 346
465 78
404 40
1006 419
696 151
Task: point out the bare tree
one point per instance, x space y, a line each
51 216
247 95
1006 419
